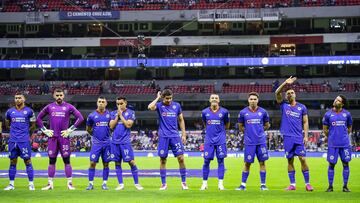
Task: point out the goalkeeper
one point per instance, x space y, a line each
59 134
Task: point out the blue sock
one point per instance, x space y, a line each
331 173
12 172
206 169
30 172
134 171
263 177
183 174
163 176
118 170
346 173
221 169
306 176
291 177
106 174
91 174
244 177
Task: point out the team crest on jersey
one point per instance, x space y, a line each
96 116
299 108
246 114
259 113
344 114
64 108
220 115
207 114
249 157
93 156
331 157
13 112
161 151
53 107
126 113
174 107
107 115
25 112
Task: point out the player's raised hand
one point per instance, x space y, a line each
159 94
47 132
290 80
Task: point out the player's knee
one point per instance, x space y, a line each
163 160
345 164
247 165
220 161
117 163
106 164
92 164
180 159
331 165
52 161
66 160
291 161
262 163
13 161
27 161
132 163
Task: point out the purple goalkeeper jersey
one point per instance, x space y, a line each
99 122
122 134
215 125
292 121
253 122
168 116
338 124
20 123
59 116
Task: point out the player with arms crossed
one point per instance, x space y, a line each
170 116
253 121
217 120
294 120
337 126
97 125
21 120
59 141
121 122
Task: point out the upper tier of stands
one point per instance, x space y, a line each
128 5
120 88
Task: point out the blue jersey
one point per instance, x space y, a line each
254 122
121 134
215 125
99 122
20 123
338 124
292 121
168 116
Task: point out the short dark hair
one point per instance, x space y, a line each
166 92
19 93
121 98
289 88
58 90
343 98
253 94
101 97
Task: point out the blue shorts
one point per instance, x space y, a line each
121 152
260 151
221 151
100 150
293 149
334 152
22 149
174 143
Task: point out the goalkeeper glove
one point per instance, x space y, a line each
47 132
67 133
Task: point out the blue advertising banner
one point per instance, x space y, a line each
89 15
182 62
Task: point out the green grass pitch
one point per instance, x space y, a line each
277 180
